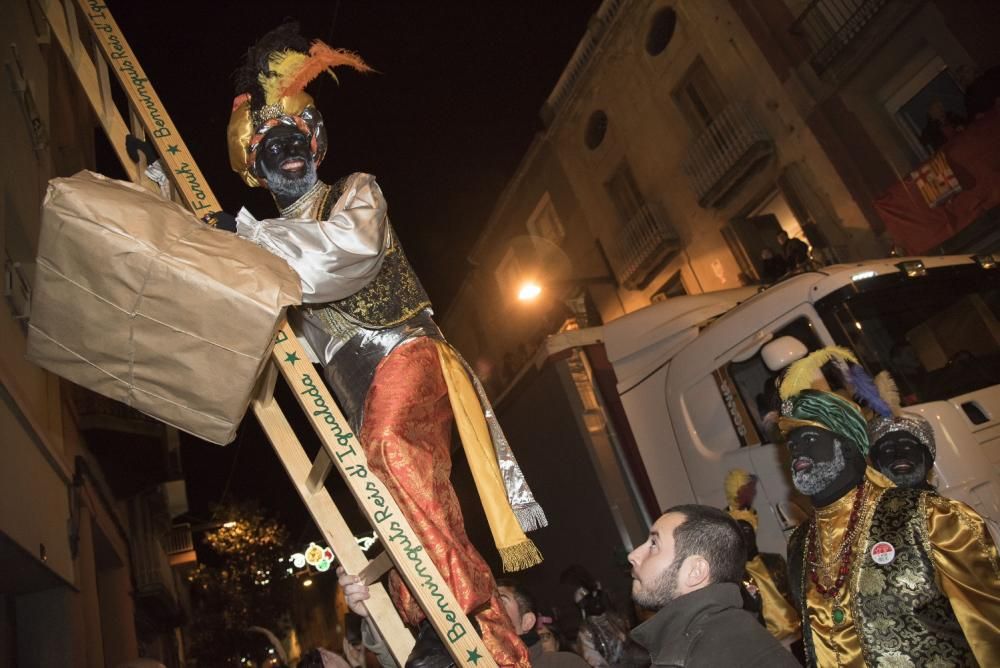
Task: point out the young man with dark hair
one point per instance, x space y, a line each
689 570
521 608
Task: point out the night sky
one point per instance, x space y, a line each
443 125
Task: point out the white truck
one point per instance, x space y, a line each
693 384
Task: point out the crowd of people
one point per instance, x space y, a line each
886 572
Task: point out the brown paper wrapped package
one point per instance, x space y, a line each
137 300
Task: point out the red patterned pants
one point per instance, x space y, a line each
406 436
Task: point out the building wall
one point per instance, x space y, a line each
66 583
836 147
648 129
486 320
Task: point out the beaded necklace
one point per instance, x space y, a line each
844 556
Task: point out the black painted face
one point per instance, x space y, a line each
810 443
284 160
902 458
817 458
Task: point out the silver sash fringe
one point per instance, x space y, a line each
528 511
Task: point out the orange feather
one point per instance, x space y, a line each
322 58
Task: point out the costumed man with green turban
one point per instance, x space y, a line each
768 572
369 323
884 576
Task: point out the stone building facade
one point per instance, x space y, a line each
683 135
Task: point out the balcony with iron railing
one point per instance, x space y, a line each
728 151
154 578
101 413
831 27
179 545
582 57
642 246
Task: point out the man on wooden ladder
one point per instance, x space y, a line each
369 322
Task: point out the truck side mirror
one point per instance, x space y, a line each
783 351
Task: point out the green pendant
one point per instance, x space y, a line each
838 615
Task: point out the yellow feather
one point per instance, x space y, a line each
801 374
284 65
735 479
887 387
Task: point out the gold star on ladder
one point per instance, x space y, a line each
291 358
474 656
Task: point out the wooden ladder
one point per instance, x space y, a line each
108 51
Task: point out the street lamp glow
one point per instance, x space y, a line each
307 582
529 290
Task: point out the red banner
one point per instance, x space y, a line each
919 214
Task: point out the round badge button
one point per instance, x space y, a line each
883 553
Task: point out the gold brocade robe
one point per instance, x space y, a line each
782 619
945 576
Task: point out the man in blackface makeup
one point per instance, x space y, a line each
902 449
884 576
369 323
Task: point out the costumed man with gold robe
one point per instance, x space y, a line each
902 449
884 576
768 572
902 444
369 323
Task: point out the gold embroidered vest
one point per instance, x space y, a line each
394 296
899 612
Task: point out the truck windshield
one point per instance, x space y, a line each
938 334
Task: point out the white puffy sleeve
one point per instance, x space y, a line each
334 258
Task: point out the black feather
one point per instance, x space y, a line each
284 37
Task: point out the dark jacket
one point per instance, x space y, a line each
542 659
709 628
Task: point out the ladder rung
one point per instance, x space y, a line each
332 524
376 568
321 467
103 80
139 132
76 48
264 392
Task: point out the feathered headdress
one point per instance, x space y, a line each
741 488
802 405
270 91
804 373
290 71
885 423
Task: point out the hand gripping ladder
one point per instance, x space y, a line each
109 51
